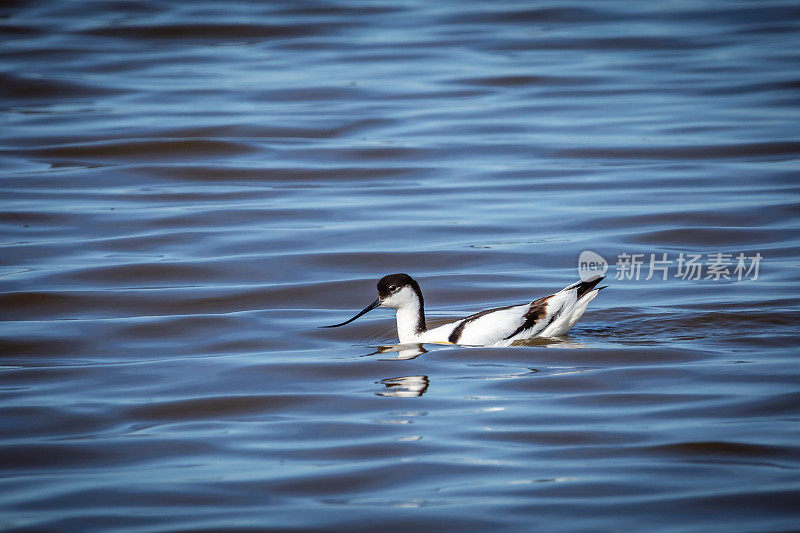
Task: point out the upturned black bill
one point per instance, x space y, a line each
364 311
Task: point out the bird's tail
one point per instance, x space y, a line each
583 287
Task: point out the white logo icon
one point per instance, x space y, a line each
591 264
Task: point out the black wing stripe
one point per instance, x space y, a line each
455 336
536 311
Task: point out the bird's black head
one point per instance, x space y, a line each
398 291
393 283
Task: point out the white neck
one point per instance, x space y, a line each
408 327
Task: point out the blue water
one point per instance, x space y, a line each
188 190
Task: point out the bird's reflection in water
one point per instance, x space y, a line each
550 342
410 351
404 386
415 386
404 351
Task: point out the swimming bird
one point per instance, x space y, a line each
549 316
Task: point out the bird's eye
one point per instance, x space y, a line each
392 288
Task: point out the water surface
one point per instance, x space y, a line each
189 189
